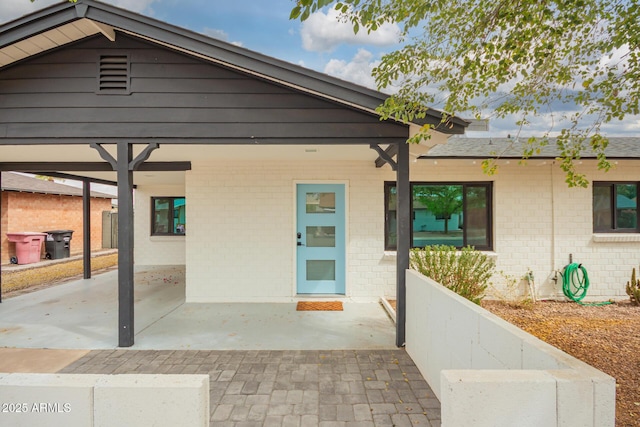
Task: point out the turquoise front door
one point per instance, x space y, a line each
321 239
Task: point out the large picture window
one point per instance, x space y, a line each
615 207
168 216
453 214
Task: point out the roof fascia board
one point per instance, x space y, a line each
34 24
90 166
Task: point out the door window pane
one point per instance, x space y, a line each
321 270
321 237
321 203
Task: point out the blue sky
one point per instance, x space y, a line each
321 43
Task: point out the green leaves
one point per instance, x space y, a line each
304 8
576 59
466 272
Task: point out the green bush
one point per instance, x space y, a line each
466 272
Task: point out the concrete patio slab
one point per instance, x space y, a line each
84 314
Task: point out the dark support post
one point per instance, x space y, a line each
404 238
126 330
86 228
0 235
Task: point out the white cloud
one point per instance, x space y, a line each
216 34
358 70
324 32
13 9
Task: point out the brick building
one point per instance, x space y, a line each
32 204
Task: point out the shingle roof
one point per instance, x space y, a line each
469 148
17 182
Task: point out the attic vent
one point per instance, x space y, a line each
114 74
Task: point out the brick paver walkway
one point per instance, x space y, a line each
291 388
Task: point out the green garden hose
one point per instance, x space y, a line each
575 283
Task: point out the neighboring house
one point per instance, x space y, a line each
536 222
33 204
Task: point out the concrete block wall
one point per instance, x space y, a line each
82 400
157 250
487 372
41 212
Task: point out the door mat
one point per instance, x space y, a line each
319 306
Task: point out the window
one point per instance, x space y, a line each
615 207
454 214
168 216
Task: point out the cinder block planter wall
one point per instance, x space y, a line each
83 400
487 372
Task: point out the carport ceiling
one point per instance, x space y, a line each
198 153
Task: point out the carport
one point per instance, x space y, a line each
96 91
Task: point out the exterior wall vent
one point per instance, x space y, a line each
113 74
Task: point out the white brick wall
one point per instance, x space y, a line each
241 229
539 221
240 243
156 250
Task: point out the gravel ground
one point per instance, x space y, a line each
605 337
17 282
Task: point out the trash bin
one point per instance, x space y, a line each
28 246
58 244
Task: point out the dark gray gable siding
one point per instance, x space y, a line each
176 98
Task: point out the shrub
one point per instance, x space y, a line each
633 288
511 291
466 272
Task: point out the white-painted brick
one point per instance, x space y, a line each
156 250
240 232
